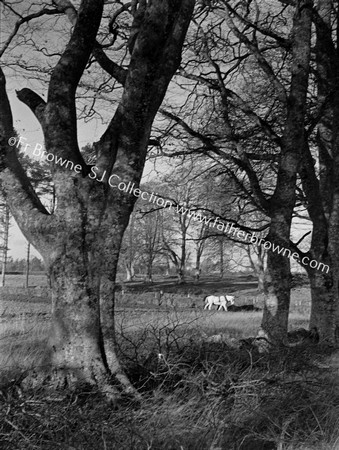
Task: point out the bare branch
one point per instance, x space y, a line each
112 68
283 42
72 63
253 47
23 20
242 161
26 202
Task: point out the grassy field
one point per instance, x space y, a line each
197 394
24 316
19 280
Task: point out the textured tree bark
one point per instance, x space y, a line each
323 292
75 342
323 306
320 192
277 297
331 168
80 241
333 228
275 318
113 226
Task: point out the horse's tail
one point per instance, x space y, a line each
205 298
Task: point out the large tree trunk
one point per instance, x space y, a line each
323 290
323 305
320 193
107 320
275 318
277 297
76 343
333 229
80 241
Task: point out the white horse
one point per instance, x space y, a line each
222 301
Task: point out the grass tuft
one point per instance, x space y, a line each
197 394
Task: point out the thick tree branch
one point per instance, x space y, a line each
154 60
69 69
112 68
242 162
34 102
283 42
25 203
60 121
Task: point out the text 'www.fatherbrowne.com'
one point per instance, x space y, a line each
230 229
225 227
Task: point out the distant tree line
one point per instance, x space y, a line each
19 265
178 241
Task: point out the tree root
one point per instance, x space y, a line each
62 380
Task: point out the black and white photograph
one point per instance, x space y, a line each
169 225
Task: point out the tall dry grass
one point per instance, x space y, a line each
22 344
197 395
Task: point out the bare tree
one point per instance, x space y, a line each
320 176
174 241
81 238
152 225
253 77
142 240
176 232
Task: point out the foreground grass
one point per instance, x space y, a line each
23 338
197 395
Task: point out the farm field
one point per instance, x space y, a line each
24 314
198 394
19 280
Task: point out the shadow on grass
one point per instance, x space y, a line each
197 395
201 397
